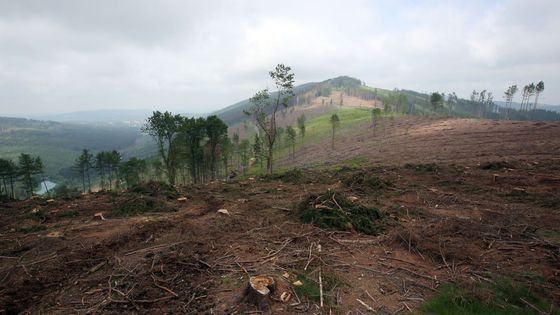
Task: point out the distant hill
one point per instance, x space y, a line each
131 117
59 144
316 98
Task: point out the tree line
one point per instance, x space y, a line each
28 172
198 149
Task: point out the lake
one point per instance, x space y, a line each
42 191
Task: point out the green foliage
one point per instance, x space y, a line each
66 192
32 229
164 129
301 126
423 168
8 174
364 181
552 202
436 99
335 123
264 107
293 175
216 130
504 297
495 165
107 164
59 144
68 214
308 289
334 211
136 205
133 171
28 168
291 138
83 164
155 189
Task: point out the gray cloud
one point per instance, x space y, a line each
199 56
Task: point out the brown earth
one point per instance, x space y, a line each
436 140
460 222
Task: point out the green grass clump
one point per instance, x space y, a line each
37 215
155 189
423 168
139 205
332 210
495 165
293 175
308 289
68 214
33 228
552 202
505 297
364 181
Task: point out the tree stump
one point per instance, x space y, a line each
258 291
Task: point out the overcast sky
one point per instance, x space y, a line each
198 56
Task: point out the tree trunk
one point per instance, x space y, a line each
257 291
5 186
83 182
12 187
88 181
46 188
332 139
269 161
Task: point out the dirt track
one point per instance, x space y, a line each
459 223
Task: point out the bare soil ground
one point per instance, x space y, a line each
460 222
436 140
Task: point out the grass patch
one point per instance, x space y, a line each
139 205
423 168
32 229
333 210
552 202
363 181
495 165
519 195
460 185
155 189
293 175
68 214
37 215
308 289
505 297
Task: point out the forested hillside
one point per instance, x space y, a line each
58 144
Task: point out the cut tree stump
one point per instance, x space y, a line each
258 291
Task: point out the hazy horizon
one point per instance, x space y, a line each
65 56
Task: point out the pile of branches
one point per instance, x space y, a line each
332 210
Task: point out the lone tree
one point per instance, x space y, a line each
39 169
265 106
508 96
335 122
216 130
164 128
291 139
436 100
375 115
301 127
539 88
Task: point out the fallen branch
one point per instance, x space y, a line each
148 249
369 308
